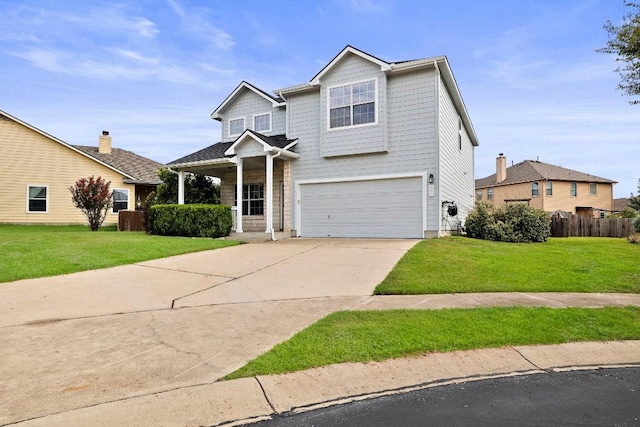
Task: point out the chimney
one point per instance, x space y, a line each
104 143
501 168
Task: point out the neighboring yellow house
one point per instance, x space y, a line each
37 169
547 187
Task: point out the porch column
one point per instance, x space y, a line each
239 195
181 188
269 195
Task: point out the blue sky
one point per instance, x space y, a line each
151 72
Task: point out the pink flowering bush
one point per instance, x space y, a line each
93 197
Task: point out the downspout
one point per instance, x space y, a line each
273 233
439 178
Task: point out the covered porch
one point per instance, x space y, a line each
254 169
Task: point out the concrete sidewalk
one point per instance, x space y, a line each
146 344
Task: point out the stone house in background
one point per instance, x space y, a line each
547 187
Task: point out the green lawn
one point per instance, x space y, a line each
29 251
460 264
362 336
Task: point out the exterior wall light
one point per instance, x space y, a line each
430 178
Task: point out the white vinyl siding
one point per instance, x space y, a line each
455 157
248 106
364 138
411 133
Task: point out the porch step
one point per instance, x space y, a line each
257 236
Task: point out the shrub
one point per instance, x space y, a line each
634 238
190 220
515 223
92 196
636 224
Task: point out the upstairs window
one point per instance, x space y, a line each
120 200
479 195
593 188
236 126
574 189
489 193
262 122
549 188
352 105
535 192
37 198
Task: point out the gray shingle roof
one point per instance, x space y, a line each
534 170
216 151
142 169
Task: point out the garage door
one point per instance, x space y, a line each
389 208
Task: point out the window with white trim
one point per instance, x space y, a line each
262 122
236 126
489 193
352 104
120 200
574 189
593 188
478 195
252 199
549 188
37 199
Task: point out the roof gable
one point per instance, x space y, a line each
269 143
439 63
348 50
275 101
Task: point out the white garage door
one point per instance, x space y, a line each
389 208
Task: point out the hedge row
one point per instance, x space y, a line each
516 223
189 220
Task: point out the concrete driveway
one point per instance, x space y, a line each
79 340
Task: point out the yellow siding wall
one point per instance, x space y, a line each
29 158
560 199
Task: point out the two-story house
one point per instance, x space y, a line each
37 169
547 187
366 148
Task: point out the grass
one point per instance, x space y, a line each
362 336
30 251
459 265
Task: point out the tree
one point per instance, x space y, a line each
624 41
92 196
197 189
634 201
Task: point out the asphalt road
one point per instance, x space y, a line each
605 397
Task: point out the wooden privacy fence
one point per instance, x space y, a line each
578 226
130 220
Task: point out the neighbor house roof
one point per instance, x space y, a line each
534 170
217 151
620 204
136 169
140 169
